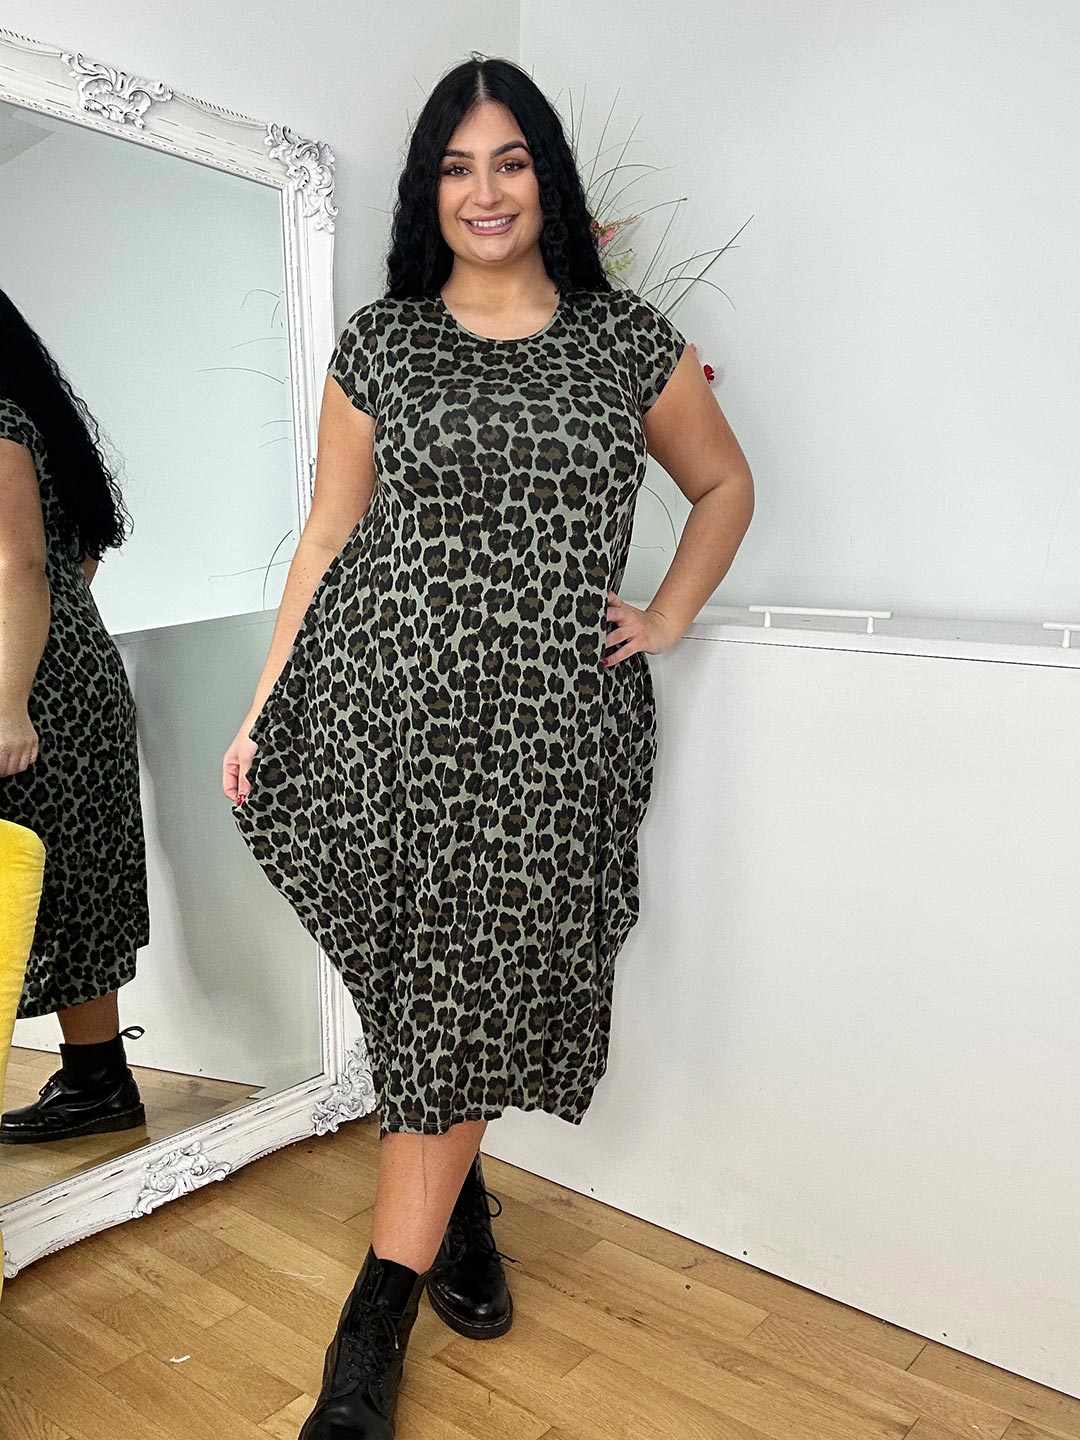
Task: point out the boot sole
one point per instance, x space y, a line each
474 1329
128 1120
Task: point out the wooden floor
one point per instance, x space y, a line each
208 1320
172 1102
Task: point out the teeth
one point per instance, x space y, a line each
490 224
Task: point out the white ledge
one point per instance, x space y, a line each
1014 642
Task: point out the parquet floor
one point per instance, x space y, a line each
208 1320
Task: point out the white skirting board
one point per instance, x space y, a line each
844 1040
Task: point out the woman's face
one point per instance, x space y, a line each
489 177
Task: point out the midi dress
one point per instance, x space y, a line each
448 782
81 795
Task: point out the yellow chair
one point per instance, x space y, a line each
22 870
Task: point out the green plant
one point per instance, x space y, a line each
613 226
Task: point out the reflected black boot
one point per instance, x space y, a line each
366 1358
466 1284
94 1092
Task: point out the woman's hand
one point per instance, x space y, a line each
234 767
636 629
18 739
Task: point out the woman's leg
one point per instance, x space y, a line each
92 1021
93 1092
420 1177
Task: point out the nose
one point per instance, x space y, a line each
485 191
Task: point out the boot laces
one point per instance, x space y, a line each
370 1339
470 1223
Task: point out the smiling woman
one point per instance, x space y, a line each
494 224
491 217
452 763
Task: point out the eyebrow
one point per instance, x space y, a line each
501 150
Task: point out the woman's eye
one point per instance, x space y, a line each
517 164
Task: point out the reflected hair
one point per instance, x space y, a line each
419 260
89 496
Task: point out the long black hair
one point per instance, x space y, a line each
419 260
81 476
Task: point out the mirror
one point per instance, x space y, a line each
175 262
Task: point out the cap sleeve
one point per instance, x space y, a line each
15 424
658 347
355 363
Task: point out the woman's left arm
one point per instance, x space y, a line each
687 432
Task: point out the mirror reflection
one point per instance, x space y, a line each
150 510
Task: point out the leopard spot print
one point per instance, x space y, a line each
448 784
81 795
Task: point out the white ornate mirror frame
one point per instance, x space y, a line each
69 86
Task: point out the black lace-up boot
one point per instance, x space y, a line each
366 1357
93 1092
466 1284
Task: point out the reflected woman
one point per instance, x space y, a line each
68 757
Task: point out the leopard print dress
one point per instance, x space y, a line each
448 783
81 795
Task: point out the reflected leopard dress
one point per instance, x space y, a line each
448 783
81 795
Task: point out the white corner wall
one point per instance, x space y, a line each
898 350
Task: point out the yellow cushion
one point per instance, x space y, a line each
22 869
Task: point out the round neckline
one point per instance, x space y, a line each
499 339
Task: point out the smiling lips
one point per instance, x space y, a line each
487 228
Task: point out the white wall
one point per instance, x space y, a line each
899 349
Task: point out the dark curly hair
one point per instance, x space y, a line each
82 478
419 260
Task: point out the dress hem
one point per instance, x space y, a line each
482 1112
37 1009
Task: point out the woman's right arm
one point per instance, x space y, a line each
344 483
